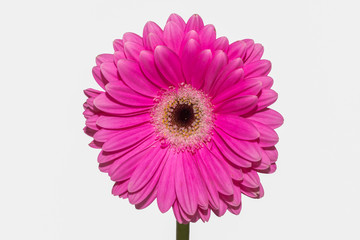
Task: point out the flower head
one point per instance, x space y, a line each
183 118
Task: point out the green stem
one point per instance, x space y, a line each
182 231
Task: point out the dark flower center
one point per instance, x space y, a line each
183 115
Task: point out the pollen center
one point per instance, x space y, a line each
183 117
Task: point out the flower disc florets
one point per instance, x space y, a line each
183 117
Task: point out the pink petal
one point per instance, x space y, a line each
251 179
222 209
178 20
237 106
120 188
237 127
147 64
255 54
251 192
153 28
190 35
228 69
109 71
232 79
184 214
150 198
89 104
169 65
88 113
173 36
177 214
257 69
215 67
272 153
204 214
145 196
88 131
266 169
104 58
110 122
125 95
133 77
201 64
90 92
218 171
266 81
195 217
249 42
109 158
268 117
124 167
222 43
104 134
152 41
95 144
105 167
235 199
194 23
166 190
230 154
212 191
235 210
237 50
104 157
245 87
106 104
193 175
272 168
132 50
140 196
236 203
188 58
128 138
268 137
98 78
118 45
235 171
119 55
249 48
145 171
132 37
88 108
245 149
184 187
207 36
264 164
266 98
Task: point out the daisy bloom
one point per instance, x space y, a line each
183 118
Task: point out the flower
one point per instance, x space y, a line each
183 118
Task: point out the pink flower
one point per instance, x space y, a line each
183 118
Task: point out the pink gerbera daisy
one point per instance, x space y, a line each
183 118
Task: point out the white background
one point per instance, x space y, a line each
50 186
